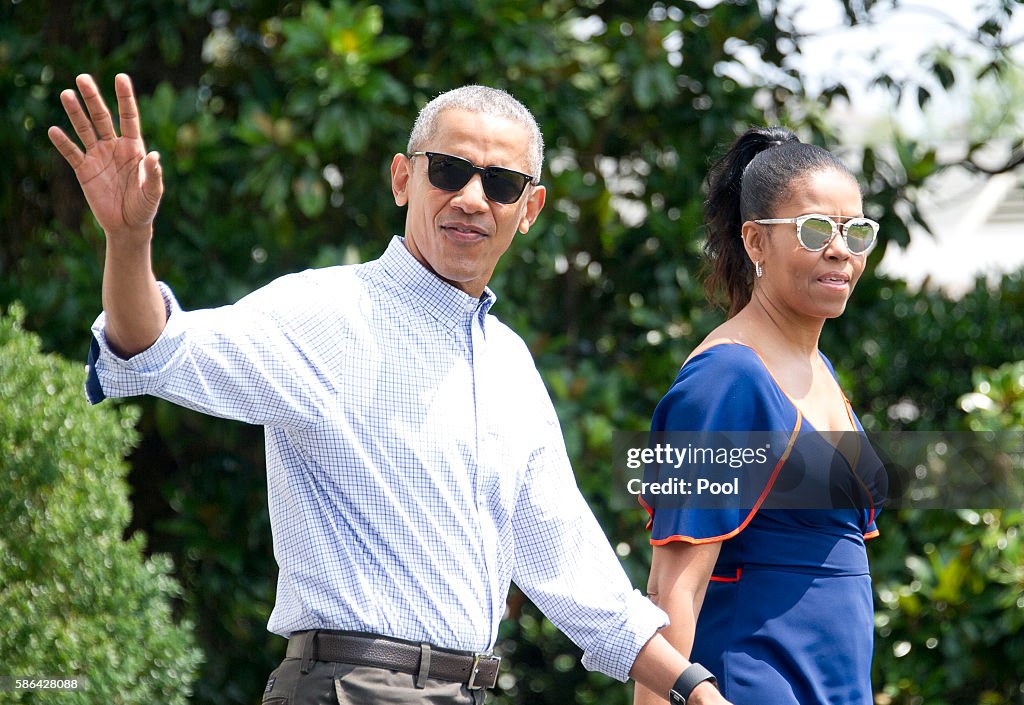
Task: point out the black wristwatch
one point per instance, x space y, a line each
694 675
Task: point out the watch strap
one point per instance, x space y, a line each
690 678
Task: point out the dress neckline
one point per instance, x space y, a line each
796 407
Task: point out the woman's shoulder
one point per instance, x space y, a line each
720 385
724 361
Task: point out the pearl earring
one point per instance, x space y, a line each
757 269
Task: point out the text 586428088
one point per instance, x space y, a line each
35 683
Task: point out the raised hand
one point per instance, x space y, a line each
123 186
121 182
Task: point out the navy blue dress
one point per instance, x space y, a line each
788 615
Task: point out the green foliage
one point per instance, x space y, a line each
905 358
997 401
77 600
950 612
277 122
950 584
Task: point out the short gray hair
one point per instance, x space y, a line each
485 101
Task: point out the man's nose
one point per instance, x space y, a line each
471 197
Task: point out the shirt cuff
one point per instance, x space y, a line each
639 621
110 375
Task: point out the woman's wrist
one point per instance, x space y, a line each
693 677
704 694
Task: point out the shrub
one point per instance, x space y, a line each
77 600
950 584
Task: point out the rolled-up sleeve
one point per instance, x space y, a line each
565 564
109 375
247 361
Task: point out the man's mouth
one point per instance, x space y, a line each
464 231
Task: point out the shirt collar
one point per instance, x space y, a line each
448 304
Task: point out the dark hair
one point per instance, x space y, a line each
755 174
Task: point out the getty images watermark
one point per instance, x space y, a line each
743 469
678 458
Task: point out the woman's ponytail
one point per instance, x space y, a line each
728 205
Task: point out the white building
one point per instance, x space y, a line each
977 228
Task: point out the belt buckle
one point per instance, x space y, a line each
475 669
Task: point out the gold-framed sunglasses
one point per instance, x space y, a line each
815 231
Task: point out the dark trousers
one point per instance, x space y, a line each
329 683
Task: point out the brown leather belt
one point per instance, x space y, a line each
423 661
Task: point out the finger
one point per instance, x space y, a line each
79 120
68 149
98 111
127 110
153 181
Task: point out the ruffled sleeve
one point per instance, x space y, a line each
720 437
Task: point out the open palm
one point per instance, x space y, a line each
120 181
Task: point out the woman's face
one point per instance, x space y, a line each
811 284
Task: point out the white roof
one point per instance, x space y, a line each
977 225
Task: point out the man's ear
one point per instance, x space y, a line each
534 205
401 174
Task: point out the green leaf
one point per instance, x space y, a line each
310 194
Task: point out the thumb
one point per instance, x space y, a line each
152 180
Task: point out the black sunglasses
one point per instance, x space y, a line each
450 173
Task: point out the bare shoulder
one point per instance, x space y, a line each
725 334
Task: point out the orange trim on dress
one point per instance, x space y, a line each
757 504
650 512
778 467
849 416
726 578
853 469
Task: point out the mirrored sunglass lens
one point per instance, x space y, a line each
815 233
449 173
503 185
859 237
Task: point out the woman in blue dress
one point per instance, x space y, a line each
768 587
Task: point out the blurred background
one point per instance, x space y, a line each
135 545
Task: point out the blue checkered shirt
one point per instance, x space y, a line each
415 464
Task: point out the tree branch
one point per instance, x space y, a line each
1011 164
